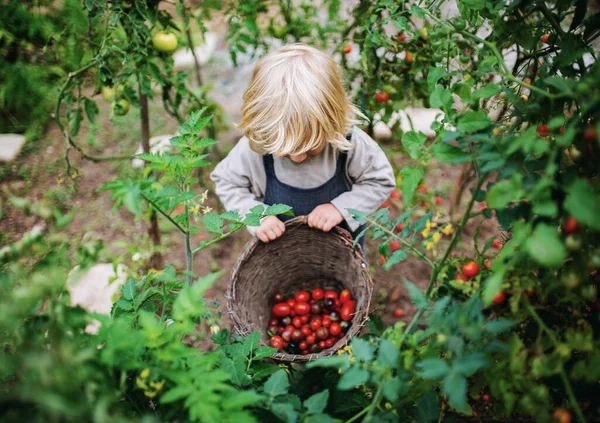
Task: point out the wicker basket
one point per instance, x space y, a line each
302 259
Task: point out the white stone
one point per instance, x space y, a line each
10 146
95 289
184 58
158 144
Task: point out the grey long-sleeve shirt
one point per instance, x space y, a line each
241 180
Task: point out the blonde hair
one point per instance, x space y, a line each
295 103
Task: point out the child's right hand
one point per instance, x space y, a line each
270 229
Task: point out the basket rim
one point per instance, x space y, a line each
358 321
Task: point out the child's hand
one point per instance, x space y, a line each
270 229
325 217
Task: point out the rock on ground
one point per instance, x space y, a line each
10 146
158 144
95 288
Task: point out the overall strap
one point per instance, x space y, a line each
269 167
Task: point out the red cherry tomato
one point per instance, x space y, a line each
318 293
322 345
302 297
291 302
329 343
335 329
395 245
400 227
306 330
316 324
331 294
470 269
302 308
303 345
499 298
398 312
281 309
310 339
571 226
291 328
286 335
292 313
497 244
304 319
345 295
277 342
297 335
326 322
460 277
305 352
297 322
322 333
274 322
348 310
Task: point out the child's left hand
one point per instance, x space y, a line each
325 217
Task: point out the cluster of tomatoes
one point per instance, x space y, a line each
310 322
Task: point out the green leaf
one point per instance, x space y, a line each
75 119
433 368
128 290
242 399
427 408
388 354
473 121
413 141
492 286
448 153
236 368
410 180
277 384
221 337
91 109
177 393
352 378
504 192
486 92
417 296
276 209
397 257
213 223
473 4
441 97
583 204
391 388
250 343
362 349
545 246
335 361
462 90
285 412
316 404
499 325
434 76
264 352
455 387
469 364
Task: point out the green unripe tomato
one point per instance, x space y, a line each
120 107
165 42
573 242
460 24
108 93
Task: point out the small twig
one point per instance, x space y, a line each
219 238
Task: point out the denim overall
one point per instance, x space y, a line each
304 200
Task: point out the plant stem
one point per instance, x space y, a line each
169 218
188 248
375 403
402 241
219 238
563 375
358 415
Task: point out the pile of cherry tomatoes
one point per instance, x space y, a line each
310 322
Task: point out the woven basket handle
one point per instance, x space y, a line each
303 220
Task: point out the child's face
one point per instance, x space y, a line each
302 157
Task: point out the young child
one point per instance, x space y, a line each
301 147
